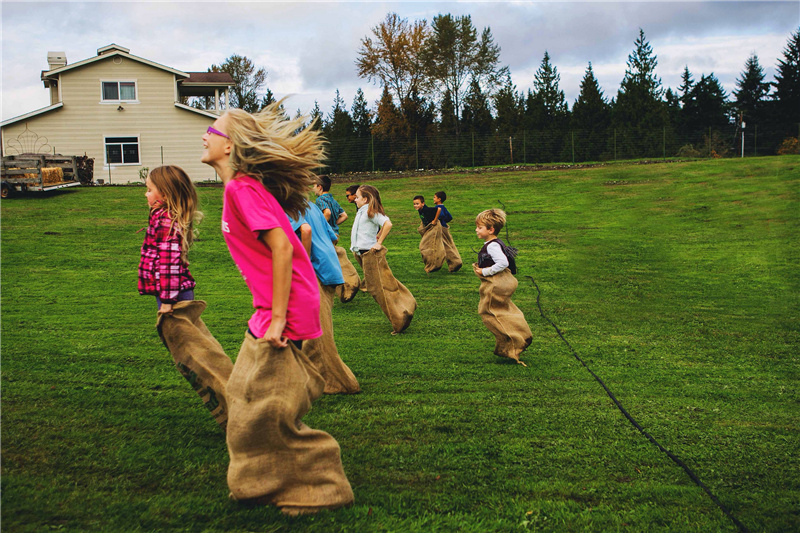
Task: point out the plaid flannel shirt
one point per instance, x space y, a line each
161 271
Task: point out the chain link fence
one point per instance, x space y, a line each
367 154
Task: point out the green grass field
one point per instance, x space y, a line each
677 283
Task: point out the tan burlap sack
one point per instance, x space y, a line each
431 247
197 355
396 301
451 254
352 281
275 459
503 318
339 379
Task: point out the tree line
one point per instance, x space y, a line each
448 101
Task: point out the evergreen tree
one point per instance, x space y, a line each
687 82
547 113
362 116
751 91
509 108
477 116
706 109
339 124
591 117
268 99
316 119
339 129
639 113
448 126
787 87
545 84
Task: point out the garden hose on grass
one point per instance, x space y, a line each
636 424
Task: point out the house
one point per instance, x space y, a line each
125 111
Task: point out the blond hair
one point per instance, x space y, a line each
492 218
373 198
278 151
180 201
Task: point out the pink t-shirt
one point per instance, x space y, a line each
248 209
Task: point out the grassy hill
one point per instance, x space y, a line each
678 284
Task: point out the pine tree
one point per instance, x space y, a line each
751 91
591 117
509 108
639 112
362 116
787 87
687 82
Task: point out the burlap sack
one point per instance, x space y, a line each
396 301
431 247
503 318
275 459
339 379
451 254
352 281
197 355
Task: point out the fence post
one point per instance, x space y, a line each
372 137
511 149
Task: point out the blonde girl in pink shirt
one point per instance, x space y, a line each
267 162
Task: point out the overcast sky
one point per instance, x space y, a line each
309 48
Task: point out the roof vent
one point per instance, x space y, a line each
56 60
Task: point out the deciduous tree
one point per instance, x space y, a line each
392 56
455 57
247 81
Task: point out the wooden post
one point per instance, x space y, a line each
511 149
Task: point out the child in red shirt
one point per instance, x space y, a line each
163 268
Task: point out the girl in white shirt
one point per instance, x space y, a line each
371 225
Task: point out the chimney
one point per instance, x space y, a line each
56 60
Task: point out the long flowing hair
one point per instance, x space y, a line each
280 152
373 198
180 201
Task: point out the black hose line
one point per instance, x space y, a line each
636 424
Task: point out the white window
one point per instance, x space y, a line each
119 91
122 150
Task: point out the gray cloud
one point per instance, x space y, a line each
309 48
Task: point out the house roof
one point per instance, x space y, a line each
203 112
32 114
209 78
110 51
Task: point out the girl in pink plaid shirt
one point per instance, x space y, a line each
163 268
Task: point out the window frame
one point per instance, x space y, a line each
121 144
119 100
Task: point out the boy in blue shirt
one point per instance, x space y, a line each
333 212
318 240
443 216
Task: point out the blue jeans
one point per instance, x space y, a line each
188 294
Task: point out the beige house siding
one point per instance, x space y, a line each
84 121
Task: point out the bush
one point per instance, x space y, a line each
688 150
790 145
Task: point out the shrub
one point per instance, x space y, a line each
790 145
688 150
